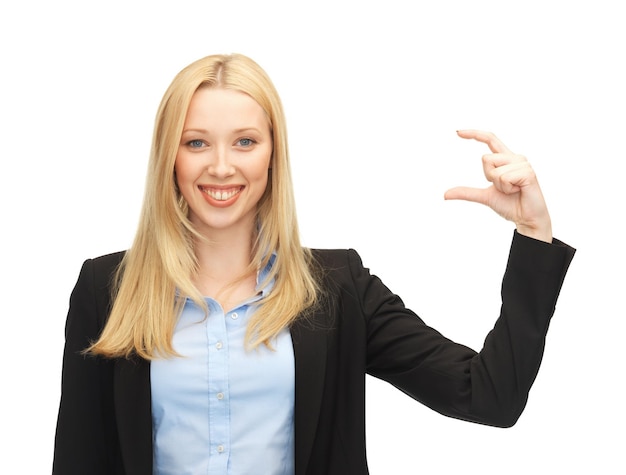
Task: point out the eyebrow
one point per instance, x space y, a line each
236 131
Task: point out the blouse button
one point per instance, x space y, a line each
219 345
220 396
220 448
234 316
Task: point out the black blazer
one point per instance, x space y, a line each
104 424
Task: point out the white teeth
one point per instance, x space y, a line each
221 195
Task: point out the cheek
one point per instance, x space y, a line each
263 165
260 174
183 180
181 172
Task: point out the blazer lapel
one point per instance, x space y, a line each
133 413
310 346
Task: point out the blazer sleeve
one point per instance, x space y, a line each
86 423
491 386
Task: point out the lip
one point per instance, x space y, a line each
221 196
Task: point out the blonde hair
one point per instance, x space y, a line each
156 273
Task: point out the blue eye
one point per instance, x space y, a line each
195 143
245 142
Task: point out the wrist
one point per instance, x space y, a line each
543 233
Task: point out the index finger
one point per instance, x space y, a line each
494 143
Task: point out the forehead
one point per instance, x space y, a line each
218 105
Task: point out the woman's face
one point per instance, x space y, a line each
223 160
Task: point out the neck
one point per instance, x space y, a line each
223 261
223 258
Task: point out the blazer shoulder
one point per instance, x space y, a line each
98 274
338 267
335 257
107 261
104 266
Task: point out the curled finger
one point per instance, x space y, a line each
513 177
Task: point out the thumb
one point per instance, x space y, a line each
465 193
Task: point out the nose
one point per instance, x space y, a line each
220 164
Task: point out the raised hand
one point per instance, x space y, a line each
514 192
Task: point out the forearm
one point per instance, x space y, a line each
505 369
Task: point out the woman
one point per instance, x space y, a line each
217 344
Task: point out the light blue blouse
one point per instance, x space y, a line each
220 409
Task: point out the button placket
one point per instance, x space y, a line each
218 377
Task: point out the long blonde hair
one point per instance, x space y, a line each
156 273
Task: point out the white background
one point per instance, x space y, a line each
373 93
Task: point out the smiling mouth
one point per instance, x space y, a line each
221 195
